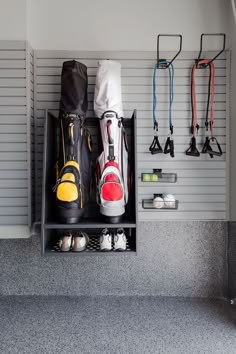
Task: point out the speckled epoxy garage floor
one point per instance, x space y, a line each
118 325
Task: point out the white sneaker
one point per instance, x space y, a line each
65 242
80 241
105 240
120 240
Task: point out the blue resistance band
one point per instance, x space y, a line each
171 94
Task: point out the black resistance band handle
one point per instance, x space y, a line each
192 150
169 147
155 147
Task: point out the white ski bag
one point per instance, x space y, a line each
112 165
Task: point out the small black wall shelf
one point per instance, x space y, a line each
158 176
169 205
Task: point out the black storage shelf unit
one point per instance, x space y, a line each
93 222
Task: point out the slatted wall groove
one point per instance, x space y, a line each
201 187
14 191
32 126
30 133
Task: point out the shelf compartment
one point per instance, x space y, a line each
93 222
91 211
158 177
52 238
148 204
93 246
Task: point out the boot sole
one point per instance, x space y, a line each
113 219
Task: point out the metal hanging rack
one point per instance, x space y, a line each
201 47
159 61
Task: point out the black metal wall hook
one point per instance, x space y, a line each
165 66
223 35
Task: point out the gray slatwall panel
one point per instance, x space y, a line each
18 220
12 54
14 200
12 82
213 181
12 91
38 153
32 127
13 110
14 46
126 63
13 146
185 165
13 128
181 215
12 119
228 137
122 56
13 183
144 106
30 136
13 156
142 116
13 64
207 173
179 157
13 211
13 193
13 73
196 198
126 72
127 81
182 123
134 90
9 137
13 165
21 174
132 97
175 188
12 101
191 207
201 186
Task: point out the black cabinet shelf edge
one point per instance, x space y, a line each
85 225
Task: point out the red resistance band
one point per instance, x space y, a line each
210 102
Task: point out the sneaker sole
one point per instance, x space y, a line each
65 249
120 249
79 249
